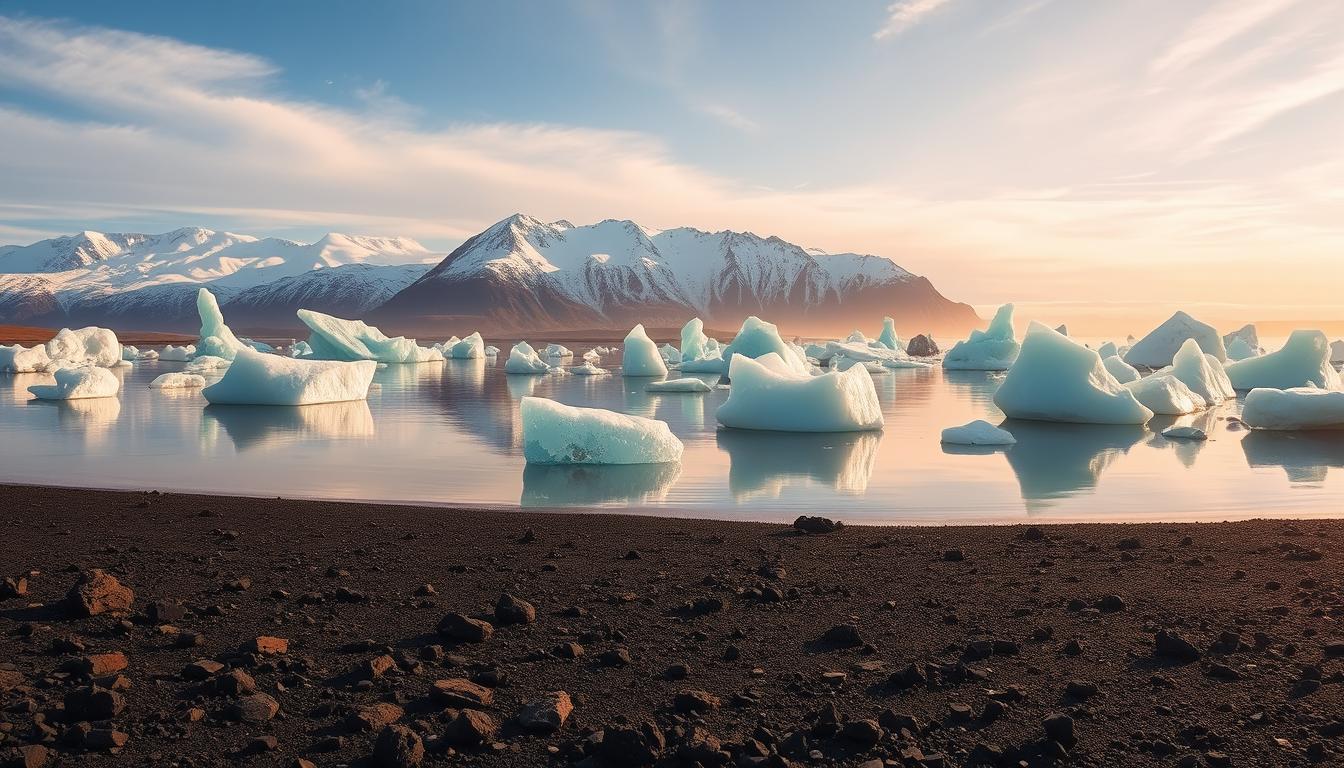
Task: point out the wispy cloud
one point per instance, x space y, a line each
904 14
730 117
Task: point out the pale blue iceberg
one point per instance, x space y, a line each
1303 361
1159 347
524 359
259 379
758 338
1122 371
688 384
177 380
1298 408
215 338
1057 379
770 394
978 432
470 348
78 383
1202 373
336 339
560 434
641 356
1165 395
993 349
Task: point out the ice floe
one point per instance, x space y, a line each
172 354
177 380
757 338
260 379
1122 371
1202 373
78 383
687 384
993 349
524 359
334 338
560 434
588 369
768 393
1058 379
978 432
1157 349
1303 360
85 346
469 348
16 358
1293 409
1165 395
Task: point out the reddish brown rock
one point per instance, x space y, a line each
96 593
547 714
374 716
463 693
268 646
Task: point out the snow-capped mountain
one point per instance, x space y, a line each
150 281
523 274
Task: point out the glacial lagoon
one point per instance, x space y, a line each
448 434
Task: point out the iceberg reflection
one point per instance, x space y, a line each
251 426
1055 461
563 485
763 464
1306 457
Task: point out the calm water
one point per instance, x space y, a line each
448 433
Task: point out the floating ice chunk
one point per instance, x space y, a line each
592 356
641 356
758 338
858 337
77 384
524 359
670 354
862 352
588 369
561 434
1248 336
86 346
1185 432
174 354
206 364
258 379
1304 359
176 380
704 365
129 352
19 359
820 352
215 339
148 354
1165 395
1058 379
1239 349
694 342
470 348
993 349
1202 373
336 339
844 363
557 350
1122 371
888 337
300 349
905 363
1108 350
688 384
978 432
1157 349
1296 408
771 394
491 351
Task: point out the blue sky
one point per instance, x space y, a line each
1072 156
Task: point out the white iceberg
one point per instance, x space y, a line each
129 352
1122 371
177 380
1157 349
524 359
771 394
491 351
215 339
470 348
207 364
592 356
1202 373
844 363
888 337
821 353
561 434
1303 360
978 432
993 349
259 346
78 384
758 338
588 369
694 342
174 354
905 363
19 359
1184 432
679 385
336 339
86 346
641 356
557 350
1240 349
1165 395
300 349
1248 335
1058 379
258 379
670 354
1298 408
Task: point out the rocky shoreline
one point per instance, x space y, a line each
179 630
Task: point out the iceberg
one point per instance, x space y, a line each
1202 373
524 359
1303 360
1058 379
216 339
758 338
557 350
679 385
588 369
1248 335
993 349
86 346
19 359
259 379
206 364
1122 371
818 352
641 356
174 354
336 339
1337 351
561 434
1239 349
905 363
1298 408
694 342
300 349
78 384
177 380
491 351
1108 350
670 354
129 352
1184 432
888 337
1157 349
978 432
844 363
1165 395
470 348
770 394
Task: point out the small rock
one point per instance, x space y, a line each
1171 645
547 714
96 593
809 524
254 708
846 635
514 610
398 747
471 728
459 692
1059 727
374 717
464 629
695 701
268 646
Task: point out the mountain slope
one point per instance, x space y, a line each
523 274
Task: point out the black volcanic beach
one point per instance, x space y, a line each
272 632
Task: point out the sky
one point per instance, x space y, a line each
1095 163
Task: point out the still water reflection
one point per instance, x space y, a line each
448 433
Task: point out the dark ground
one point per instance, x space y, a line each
1015 628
